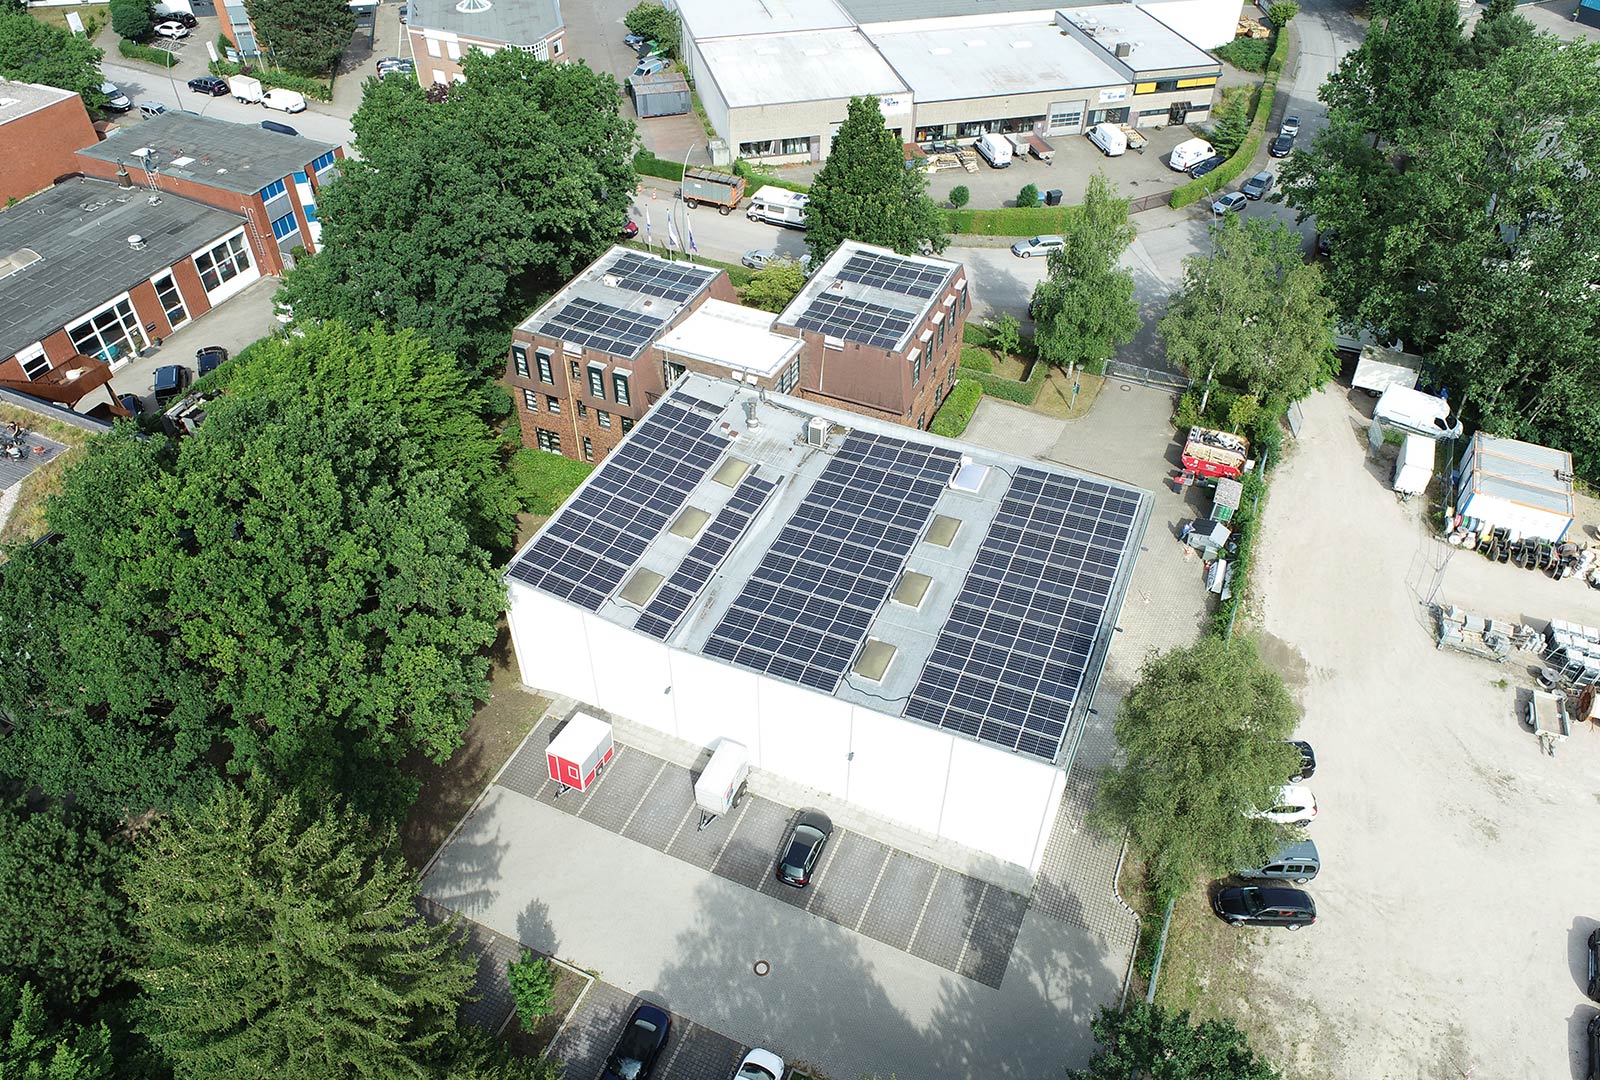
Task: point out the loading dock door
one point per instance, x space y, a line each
1066 118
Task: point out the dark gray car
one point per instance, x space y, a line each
802 847
1257 186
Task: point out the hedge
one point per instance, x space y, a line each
1245 156
974 358
647 163
1243 524
148 53
280 80
1246 54
755 180
956 412
1010 220
1023 393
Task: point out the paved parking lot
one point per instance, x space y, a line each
693 1052
958 922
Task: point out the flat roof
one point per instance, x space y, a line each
728 335
707 20
516 22
18 99
235 157
822 65
1522 472
876 11
79 230
917 576
1156 46
994 60
621 302
871 295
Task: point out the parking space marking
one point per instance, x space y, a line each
644 795
933 886
873 895
977 918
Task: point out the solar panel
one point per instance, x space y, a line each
893 273
1013 654
584 554
674 281
855 320
595 325
806 608
670 602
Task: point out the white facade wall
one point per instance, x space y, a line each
711 98
930 780
1502 513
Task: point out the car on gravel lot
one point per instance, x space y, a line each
1594 965
1265 905
1231 203
760 1065
802 847
1037 245
1308 762
1257 186
1295 806
1299 863
640 1046
209 84
1282 146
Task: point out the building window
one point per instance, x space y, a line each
111 334
36 366
433 47
555 47
922 422
272 190
519 360
323 162
452 50
552 404
619 386
603 417
790 378
171 300
597 384
542 358
549 441
1070 118
916 366
627 425
940 344
530 399
588 449
285 226
583 410
577 371
776 147
223 263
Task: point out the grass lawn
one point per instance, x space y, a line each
1055 396
534 1043
27 517
57 16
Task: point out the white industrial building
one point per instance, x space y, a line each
902 621
776 76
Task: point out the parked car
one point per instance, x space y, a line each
1290 126
633 41
758 258
116 100
396 63
1200 168
1325 242
1308 762
1265 905
802 847
760 1065
1037 245
650 66
290 101
405 10
281 129
172 29
1231 203
1257 186
640 1045
209 358
151 108
209 84
184 17
1594 965
1282 146
1299 863
170 381
630 230
1295 806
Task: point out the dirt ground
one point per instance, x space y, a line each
1459 878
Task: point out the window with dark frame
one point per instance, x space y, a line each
603 417
542 358
619 385
552 404
588 449
597 383
530 399
519 359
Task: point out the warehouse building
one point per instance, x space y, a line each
905 622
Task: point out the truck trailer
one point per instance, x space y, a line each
719 189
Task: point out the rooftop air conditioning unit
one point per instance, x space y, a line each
1124 49
610 281
136 242
817 431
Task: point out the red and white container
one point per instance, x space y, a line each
577 755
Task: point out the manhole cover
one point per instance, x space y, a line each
762 968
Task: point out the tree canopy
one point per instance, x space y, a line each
305 36
772 287
459 213
34 1046
1388 83
133 19
656 23
1202 734
865 192
33 51
299 589
1149 1043
1085 308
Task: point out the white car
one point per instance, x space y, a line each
1295 806
290 101
1290 126
760 1065
1037 245
173 30
1231 203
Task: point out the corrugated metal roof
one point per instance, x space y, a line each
1522 472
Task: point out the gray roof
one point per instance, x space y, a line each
18 99
515 22
826 282
623 302
80 230
1154 46
876 11
1522 472
235 157
708 19
957 64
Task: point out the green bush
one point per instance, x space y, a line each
1243 524
1028 196
647 163
1010 220
281 80
543 480
1246 54
956 412
533 987
148 53
975 359
755 179
960 196
975 333
1023 393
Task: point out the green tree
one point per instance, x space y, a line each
32 51
533 987
1029 195
656 23
1252 313
300 589
1282 12
1202 739
1388 84
865 192
1501 28
772 287
1231 125
460 215
960 196
13 7
34 1047
285 942
304 36
1084 309
65 928
1149 1043
1007 335
133 19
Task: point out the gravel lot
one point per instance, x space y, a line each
1460 879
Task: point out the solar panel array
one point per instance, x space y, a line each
1013 655
595 325
584 554
673 281
713 545
855 320
805 610
893 273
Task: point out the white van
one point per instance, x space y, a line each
778 206
290 101
1110 139
1186 155
996 150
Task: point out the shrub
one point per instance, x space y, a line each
1232 124
543 481
975 333
1246 54
533 987
148 53
960 196
975 359
1283 12
1011 220
133 20
1242 412
282 80
1007 336
648 164
1028 196
956 412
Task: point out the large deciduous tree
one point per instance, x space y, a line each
1201 734
656 23
133 19
32 51
1149 1043
1085 308
1252 313
1388 83
461 212
305 36
865 191
285 942
301 588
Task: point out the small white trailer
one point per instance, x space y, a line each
245 88
722 785
1380 368
1413 469
779 206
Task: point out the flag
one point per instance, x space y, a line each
672 232
647 227
688 229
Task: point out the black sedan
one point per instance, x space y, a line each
182 17
1594 965
1282 146
1259 905
209 84
1308 762
802 847
210 358
640 1046
1200 168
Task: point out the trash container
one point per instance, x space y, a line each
1052 197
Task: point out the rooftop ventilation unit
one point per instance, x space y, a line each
969 476
751 420
817 431
136 242
473 7
610 281
1124 49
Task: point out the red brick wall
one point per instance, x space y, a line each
426 63
41 147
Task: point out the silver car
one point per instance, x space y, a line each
758 258
1037 245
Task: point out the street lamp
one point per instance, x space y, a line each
684 239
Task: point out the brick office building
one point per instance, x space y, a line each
442 30
41 128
